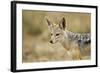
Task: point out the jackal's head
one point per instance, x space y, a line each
57 31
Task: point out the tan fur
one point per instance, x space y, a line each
71 47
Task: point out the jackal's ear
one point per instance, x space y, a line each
50 25
48 21
62 24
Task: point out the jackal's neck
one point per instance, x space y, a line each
65 43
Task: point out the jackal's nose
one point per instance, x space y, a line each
51 41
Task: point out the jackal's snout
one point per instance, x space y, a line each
51 41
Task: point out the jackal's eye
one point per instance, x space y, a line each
57 34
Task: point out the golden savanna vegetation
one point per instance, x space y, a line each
36 36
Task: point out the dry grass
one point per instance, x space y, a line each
41 51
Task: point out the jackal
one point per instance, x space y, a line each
72 42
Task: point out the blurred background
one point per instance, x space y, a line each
36 36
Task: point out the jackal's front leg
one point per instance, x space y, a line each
76 55
75 51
